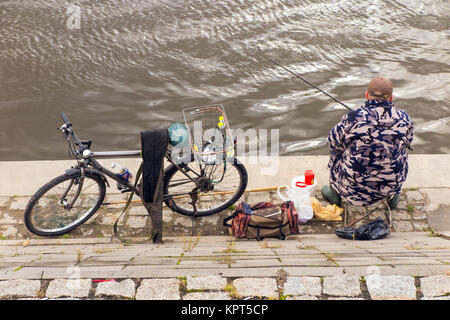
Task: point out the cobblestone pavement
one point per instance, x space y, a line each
405 265
413 213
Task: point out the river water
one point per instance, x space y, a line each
119 67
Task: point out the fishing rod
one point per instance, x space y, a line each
295 74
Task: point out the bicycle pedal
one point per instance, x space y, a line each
123 188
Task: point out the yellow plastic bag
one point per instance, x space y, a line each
328 213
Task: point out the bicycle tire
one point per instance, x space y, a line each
30 216
172 203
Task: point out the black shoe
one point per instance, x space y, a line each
393 201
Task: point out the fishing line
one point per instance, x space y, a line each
295 74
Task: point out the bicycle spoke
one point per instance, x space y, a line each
51 211
222 181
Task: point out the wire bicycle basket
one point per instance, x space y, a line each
210 135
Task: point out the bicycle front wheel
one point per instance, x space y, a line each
218 186
64 203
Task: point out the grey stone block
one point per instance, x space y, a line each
7 219
8 231
420 225
138 211
435 286
344 298
401 215
207 296
4 201
256 287
365 270
19 203
137 221
414 195
125 288
342 285
74 288
182 221
313 271
86 272
19 287
402 226
24 273
302 298
205 283
420 270
167 215
116 197
391 287
302 286
159 289
109 218
211 220
436 298
420 214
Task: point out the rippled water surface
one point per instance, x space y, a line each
118 67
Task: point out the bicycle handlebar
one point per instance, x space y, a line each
65 119
70 130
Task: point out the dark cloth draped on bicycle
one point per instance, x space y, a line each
154 145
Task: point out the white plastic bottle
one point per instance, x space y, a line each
121 171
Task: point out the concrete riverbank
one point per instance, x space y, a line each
424 205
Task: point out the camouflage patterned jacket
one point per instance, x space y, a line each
369 159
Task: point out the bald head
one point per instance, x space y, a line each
380 88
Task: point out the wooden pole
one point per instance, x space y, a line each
202 194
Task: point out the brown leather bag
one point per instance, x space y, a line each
266 221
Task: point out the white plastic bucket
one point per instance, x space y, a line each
300 197
299 183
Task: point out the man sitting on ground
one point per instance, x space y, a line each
369 159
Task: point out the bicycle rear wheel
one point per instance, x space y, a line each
50 211
221 185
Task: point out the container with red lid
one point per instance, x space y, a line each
306 181
309 177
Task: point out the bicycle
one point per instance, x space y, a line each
69 200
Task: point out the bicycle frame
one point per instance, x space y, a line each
90 161
86 161
109 154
